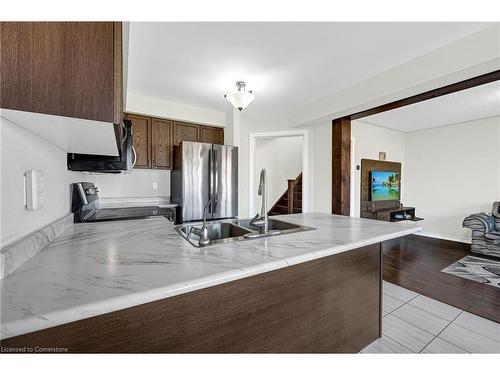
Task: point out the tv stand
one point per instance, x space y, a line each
393 214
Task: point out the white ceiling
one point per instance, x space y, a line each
466 105
286 64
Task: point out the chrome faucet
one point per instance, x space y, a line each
262 220
203 231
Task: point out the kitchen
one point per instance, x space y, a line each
189 187
122 259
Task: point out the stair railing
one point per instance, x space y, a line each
291 195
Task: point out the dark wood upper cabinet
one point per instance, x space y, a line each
210 134
154 139
141 136
71 69
185 132
161 147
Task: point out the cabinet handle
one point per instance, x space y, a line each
135 156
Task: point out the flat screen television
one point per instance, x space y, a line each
384 186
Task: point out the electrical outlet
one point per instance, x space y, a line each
155 186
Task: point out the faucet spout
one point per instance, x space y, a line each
202 233
262 220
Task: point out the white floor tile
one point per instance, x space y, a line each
436 308
421 319
385 345
398 292
389 304
479 325
468 340
406 334
438 346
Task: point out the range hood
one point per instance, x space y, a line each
71 135
107 164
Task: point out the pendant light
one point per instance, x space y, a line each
241 98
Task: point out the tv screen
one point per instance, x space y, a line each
384 186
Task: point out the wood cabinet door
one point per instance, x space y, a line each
211 134
185 132
161 144
70 69
141 136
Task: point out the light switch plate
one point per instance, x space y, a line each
35 189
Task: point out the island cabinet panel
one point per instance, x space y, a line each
141 137
328 305
71 69
211 134
161 147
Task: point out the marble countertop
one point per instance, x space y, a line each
96 268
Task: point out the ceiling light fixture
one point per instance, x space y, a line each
240 99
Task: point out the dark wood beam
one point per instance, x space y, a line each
341 166
449 89
341 135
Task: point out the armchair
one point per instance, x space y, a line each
485 231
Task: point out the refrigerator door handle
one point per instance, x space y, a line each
216 180
211 178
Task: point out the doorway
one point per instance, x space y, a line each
284 154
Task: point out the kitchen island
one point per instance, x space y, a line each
138 286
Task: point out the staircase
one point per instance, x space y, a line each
291 200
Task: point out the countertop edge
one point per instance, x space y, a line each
56 318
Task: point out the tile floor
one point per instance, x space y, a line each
413 323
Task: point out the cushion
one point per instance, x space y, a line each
493 237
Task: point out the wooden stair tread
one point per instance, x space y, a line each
281 205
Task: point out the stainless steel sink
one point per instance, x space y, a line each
217 232
274 224
237 230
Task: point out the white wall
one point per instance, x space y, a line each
282 159
321 167
162 108
451 172
444 156
22 151
369 140
320 157
250 122
138 183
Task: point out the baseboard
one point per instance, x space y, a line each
444 237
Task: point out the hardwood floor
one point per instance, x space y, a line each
415 262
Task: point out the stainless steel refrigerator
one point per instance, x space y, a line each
200 171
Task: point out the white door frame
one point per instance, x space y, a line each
304 133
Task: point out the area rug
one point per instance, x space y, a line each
482 270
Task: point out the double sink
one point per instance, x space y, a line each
237 230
